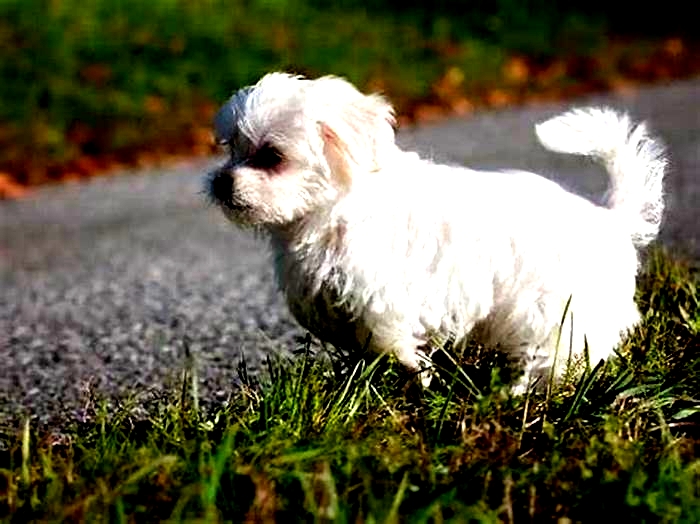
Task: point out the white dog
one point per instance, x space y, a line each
377 247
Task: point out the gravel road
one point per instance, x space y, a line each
101 283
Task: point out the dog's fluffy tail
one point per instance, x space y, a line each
635 162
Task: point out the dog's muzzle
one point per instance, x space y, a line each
221 190
220 187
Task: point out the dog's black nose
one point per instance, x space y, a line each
221 187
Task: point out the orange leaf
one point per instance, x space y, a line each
516 70
9 188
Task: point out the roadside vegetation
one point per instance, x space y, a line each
323 437
87 86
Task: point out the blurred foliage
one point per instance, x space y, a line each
84 80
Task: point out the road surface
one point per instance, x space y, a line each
103 283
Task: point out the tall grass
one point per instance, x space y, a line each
322 437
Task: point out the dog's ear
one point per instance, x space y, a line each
357 130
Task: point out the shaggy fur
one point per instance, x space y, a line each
374 245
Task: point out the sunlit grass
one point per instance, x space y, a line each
327 437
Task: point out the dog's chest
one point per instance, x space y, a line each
319 308
326 319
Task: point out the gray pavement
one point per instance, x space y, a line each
102 283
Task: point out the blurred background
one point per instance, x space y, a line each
87 86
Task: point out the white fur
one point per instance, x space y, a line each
374 245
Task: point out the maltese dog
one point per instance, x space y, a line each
378 248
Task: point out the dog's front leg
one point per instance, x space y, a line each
407 348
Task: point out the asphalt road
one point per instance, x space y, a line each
102 283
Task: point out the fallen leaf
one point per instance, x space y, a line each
97 74
499 98
516 70
265 504
674 47
9 189
428 113
154 105
87 165
461 106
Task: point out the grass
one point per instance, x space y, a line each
324 437
89 84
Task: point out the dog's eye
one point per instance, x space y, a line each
265 157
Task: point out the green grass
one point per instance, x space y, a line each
85 84
324 437
108 76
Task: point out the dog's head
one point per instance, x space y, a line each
296 145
